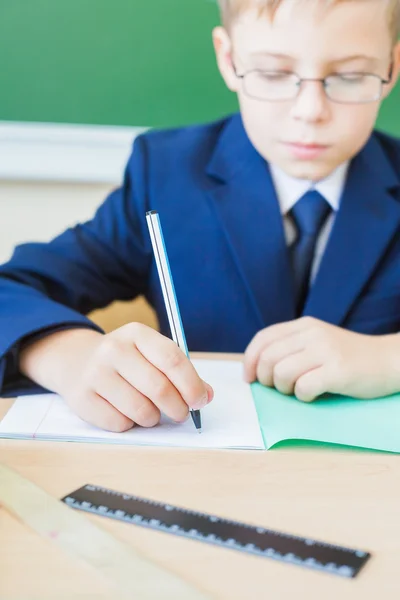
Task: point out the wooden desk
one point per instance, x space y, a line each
346 497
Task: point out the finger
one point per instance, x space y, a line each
274 354
95 410
127 400
169 359
152 383
210 391
312 384
289 370
265 338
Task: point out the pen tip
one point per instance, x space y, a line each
199 430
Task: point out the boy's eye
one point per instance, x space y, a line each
351 77
275 76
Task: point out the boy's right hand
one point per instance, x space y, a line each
115 381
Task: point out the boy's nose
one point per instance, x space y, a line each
311 103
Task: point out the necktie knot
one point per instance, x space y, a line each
310 212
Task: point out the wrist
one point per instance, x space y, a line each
55 361
389 350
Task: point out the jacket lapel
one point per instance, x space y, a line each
367 220
243 197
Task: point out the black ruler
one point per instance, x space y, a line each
294 550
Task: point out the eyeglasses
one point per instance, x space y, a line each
347 88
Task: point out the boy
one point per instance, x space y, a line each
282 228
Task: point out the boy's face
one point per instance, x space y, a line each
309 136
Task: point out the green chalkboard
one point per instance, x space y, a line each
116 62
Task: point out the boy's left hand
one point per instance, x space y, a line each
307 357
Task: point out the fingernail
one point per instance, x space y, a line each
201 403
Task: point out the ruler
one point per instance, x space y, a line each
133 575
345 562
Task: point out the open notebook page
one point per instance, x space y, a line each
230 421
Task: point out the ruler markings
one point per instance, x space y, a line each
212 529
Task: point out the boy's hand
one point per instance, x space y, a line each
308 357
120 379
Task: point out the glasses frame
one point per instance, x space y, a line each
301 80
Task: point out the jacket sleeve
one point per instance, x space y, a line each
46 287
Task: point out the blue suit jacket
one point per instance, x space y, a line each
225 240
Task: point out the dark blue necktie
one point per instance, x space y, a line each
309 214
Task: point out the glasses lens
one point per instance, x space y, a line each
271 85
353 88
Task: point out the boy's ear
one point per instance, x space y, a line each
396 70
223 52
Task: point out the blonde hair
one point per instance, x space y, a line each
230 9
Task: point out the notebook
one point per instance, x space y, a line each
370 424
230 421
240 416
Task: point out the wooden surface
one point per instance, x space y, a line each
346 497
118 314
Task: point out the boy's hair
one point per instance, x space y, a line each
230 9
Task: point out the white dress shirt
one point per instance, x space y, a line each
289 190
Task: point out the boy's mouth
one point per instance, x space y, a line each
305 151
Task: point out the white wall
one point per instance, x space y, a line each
37 211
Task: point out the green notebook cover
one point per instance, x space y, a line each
372 424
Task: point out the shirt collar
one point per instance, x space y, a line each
290 189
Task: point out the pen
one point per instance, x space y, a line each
168 290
